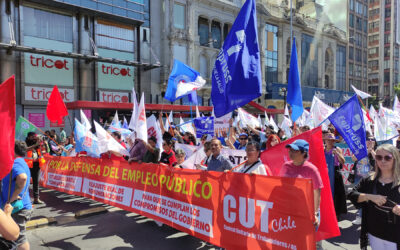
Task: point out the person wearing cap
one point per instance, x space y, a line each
242 142
299 167
335 161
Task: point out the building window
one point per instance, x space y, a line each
351 53
114 36
386 77
309 61
351 20
227 28
374 12
351 69
358 55
271 52
48 25
216 34
180 53
387 38
387 12
179 16
387 26
203 31
351 3
341 68
203 66
386 64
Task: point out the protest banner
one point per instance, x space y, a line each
195 155
204 126
221 125
231 210
348 164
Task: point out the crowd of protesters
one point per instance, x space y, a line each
376 178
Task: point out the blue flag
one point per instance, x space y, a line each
182 81
349 121
204 126
294 97
236 77
85 140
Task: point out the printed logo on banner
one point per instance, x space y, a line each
204 126
88 142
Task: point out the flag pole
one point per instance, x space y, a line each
291 25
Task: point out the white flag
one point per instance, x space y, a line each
115 122
319 111
259 121
286 110
396 105
153 129
85 121
170 118
285 126
132 122
186 127
272 122
141 125
107 142
248 119
266 119
360 93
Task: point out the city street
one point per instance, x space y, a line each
119 229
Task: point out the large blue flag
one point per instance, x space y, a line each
204 126
85 140
349 122
182 81
294 97
236 77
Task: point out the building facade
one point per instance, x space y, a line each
358 29
193 32
90 49
383 49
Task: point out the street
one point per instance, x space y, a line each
119 229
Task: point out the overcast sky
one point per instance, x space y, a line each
336 11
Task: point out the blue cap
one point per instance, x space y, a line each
244 134
301 145
174 139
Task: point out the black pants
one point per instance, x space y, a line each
35 174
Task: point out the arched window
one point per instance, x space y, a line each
203 31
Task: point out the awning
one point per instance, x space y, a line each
159 107
128 106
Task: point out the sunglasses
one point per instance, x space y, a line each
370 140
381 157
243 138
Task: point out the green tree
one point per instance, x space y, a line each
397 90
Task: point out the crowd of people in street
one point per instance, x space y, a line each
376 178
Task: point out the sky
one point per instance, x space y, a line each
336 11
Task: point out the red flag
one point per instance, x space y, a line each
7 125
56 109
276 156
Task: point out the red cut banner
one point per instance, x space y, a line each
231 210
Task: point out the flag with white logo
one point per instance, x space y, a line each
141 124
236 77
349 122
204 126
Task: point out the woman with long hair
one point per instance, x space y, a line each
379 195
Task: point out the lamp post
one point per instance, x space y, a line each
282 92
